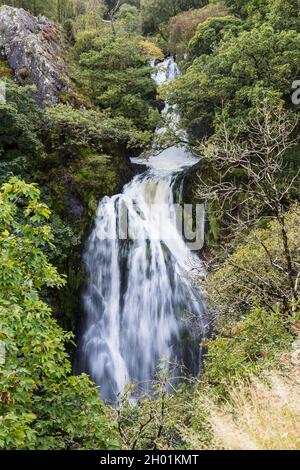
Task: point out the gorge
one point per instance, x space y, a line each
140 306
149 226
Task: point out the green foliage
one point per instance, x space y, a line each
151 50
110 4
97 176
20 122
65 238
256 273
86 156
282 14
36 7
114 73
210 33
156 12
88 15
160 419
245 348
183 26
69 132
67 9
42 406
56 10
243 8
243 70
129 16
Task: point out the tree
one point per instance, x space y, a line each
129 16
250 188
112 15
42 406
20 146
89 15
66 9
240 73
115 73
183 26
243 8
211 32
36 7
284 14
156 12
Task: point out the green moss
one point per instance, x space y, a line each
97 177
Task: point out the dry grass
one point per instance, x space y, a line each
261 414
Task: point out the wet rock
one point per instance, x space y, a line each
74 208
34 48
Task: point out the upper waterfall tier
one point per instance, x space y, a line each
174 158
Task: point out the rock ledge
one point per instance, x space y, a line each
34 48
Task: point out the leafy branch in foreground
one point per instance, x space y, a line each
42 406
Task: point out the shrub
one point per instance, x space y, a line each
244 348
42 406
256 272
183 26
210 33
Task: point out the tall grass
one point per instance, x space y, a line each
261 414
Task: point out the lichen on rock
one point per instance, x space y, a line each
34 48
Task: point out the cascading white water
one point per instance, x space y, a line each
139 291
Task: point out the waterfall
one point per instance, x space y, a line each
140 297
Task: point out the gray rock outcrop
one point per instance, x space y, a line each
34 48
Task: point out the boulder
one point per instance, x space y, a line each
34 48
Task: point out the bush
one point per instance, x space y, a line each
256 272
42 406
210 33
115 74
183 26
244 348
160 419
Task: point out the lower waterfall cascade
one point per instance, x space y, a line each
139 294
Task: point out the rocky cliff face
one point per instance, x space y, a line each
34 49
